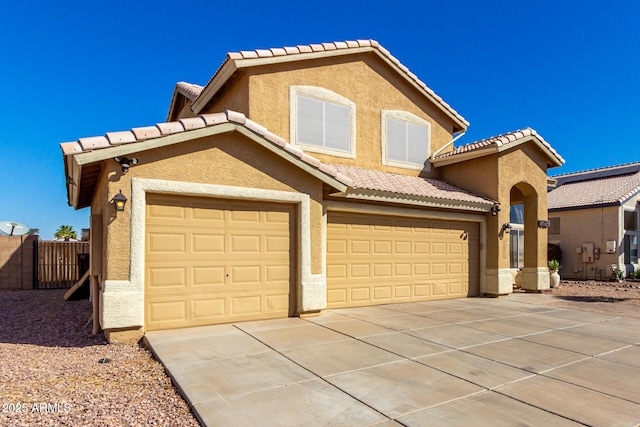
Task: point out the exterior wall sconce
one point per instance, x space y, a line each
119 200
505 228
494 210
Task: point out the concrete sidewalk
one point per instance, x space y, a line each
475 361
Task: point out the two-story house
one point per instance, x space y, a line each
298 179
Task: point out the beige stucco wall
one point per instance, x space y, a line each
262 93
494 176
228 159
234 97
596 225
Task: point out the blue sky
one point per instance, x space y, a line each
569 69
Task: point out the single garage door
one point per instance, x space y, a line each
376 259
216 261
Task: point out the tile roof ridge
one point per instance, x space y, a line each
189 90
332 46
600 169
499 141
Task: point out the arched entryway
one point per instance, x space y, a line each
526 251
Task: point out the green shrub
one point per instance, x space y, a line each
554 265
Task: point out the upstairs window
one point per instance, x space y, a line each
322 121
405 140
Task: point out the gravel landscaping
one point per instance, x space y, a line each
626 293
51 371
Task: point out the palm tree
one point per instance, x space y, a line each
66 232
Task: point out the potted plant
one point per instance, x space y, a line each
620 275
554 266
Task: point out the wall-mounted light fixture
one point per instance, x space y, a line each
544 224
494 210
119 200
126 162
505 228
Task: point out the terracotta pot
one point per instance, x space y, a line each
555 279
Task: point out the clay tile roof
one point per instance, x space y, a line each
189 90
596 187
499 141
346 175
409 185
325 47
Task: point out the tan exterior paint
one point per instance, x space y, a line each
376 259
363 79
494 176
214 261
471 253
235 161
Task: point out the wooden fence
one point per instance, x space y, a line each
60 264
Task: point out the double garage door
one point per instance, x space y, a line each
211 261
376 259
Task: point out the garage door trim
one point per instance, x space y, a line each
128 296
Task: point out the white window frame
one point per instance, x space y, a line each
517 230
404 116
325 95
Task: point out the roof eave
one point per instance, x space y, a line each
556 160
227 70
581 207
78 160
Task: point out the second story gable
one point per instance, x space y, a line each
348 103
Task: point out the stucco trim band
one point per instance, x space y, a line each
311 288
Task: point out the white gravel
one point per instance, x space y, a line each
50 372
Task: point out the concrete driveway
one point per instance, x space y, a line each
475 361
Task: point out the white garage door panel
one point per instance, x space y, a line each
216 261
376 259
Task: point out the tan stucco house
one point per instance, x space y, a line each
299 179
594 218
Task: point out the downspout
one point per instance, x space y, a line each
460 135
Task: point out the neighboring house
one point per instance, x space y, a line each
594 218
299 179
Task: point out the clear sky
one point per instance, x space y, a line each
70 69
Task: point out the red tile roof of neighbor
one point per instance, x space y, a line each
596 187
349 176
303 51
500 141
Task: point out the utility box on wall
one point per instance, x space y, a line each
611 246
587 253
